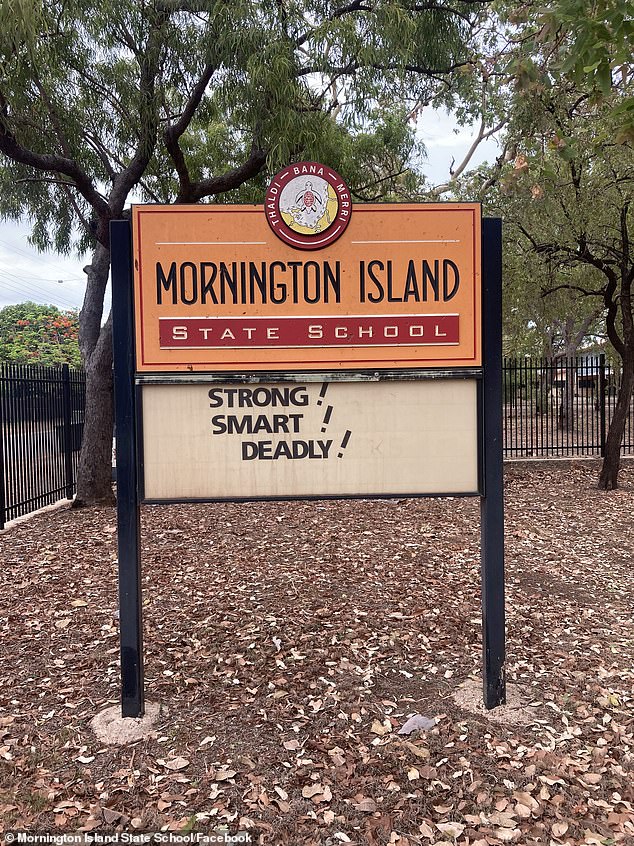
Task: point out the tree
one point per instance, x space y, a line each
591 45
567 198
185 100
537 319
39 334
559 79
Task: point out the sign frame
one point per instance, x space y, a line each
375 377
130 493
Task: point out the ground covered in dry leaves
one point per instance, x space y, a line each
287 643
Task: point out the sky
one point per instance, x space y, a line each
49 278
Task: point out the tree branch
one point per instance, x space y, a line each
66 186
148 118
585 325
567 287
54 117
225 181
357 192
11 147
483 135
625 239
173 133
101 153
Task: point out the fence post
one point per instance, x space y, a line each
3 503
68 440
602 391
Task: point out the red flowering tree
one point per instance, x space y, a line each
39 334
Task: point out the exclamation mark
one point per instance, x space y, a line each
322 393
344 442
326 418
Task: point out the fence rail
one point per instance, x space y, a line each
41 425
560 407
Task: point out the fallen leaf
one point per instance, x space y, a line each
367 805
453 829
419 751
417 723
426 831
178 763
317 792
559 829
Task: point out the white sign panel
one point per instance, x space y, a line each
288 439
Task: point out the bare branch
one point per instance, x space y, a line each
148 119
586 293
482 135
355 6
358 192
11 147
178 128
585 325
55 121
350 8
100 151
173 132
225 181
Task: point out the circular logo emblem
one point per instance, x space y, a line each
308 205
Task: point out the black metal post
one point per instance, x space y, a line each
128 515
602 392
492 503
68 441
3 503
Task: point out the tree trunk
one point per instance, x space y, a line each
608 479
94 474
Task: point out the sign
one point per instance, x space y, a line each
222 288
230 441
352 309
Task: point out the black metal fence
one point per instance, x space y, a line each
41 425
560 407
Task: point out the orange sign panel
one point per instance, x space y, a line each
216 290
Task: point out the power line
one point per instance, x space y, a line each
18 286
40 298
35 257
30 279
29 285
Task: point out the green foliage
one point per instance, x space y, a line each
567 199
92 92
598 37
586 44
190 100
563 181
39 334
